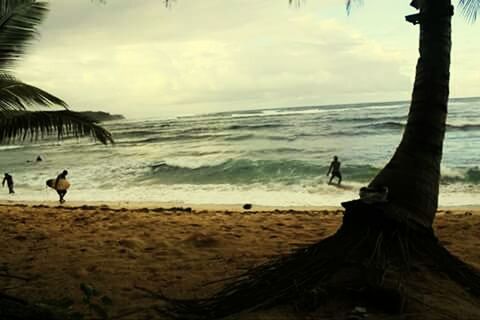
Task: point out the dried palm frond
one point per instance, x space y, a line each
470 9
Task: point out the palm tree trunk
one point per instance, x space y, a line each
378 245
413 174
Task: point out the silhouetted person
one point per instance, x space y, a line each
39 158
335 170
9 179
61 193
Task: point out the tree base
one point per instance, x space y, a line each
372 261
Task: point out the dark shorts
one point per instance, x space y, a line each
337 174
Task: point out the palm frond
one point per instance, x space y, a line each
39 124
18 26
470 8
16 95
349 4
297 3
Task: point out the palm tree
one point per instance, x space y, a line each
18 22
381 249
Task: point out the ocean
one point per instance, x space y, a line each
275 157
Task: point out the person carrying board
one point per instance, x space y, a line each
61 179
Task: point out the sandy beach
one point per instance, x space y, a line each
118 250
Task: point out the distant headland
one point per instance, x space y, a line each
101 116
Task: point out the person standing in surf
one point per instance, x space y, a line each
63 192
335 170
9 179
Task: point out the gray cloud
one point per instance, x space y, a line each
140 59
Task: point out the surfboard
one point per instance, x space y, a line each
342 186
63 184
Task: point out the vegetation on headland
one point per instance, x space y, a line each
101 116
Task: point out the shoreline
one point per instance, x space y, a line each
165 205
152 205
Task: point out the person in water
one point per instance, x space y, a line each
39 158
335 170
9 180
61 193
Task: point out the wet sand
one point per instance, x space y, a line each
118 249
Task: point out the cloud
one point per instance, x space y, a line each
137 58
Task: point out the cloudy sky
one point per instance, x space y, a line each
140 59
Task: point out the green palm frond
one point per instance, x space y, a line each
18 23
470 8
39 124
349 5
16 95
297 3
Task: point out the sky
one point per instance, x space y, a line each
140 59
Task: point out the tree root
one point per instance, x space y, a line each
367 261
13 308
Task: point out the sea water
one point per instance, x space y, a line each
276 157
